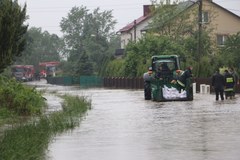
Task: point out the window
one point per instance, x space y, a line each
221 39
205 17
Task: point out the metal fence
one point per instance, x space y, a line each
61 80
91 81
83 81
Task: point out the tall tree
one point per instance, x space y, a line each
89 33
41 47
12 31
176 20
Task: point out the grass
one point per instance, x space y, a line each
29 141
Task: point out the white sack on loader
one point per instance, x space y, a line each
173 93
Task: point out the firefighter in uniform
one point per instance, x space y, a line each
182 79
229 84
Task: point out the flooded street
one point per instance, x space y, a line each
123 126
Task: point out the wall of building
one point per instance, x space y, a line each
129 36
221 21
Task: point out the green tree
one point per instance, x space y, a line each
138 55
230 52
41 47
114 68
176 20
106 65
89 33
85 65
12 32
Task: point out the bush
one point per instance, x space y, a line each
20 99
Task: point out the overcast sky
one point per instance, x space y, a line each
47 14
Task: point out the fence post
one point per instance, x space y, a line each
204 88
194 88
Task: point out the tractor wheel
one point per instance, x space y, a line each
147 91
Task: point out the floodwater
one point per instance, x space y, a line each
123 126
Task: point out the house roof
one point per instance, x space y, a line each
135 22
176 10
181 7
226 9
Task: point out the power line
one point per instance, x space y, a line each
51 10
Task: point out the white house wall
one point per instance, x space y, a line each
126 37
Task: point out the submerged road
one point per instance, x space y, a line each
123 126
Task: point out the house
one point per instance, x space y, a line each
133 31
216 18
221 21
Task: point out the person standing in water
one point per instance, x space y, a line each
218 83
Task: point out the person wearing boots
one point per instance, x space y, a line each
218 83
229 84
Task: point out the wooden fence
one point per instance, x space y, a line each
137 83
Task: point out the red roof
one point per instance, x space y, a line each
135 22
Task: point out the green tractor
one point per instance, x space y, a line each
168 82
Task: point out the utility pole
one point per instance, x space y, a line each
199 28
199 53
135 31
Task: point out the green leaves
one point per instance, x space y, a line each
20 99
12 31
230 52
41 47
87 33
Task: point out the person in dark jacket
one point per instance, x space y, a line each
218 83
163 71
147 78
229 84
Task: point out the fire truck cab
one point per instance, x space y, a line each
23 72
48 69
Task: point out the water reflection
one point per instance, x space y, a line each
123 126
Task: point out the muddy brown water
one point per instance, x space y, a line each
123 126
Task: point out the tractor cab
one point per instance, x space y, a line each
164 86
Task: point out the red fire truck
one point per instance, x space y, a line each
48 69
23 72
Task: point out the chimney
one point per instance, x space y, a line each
146 10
